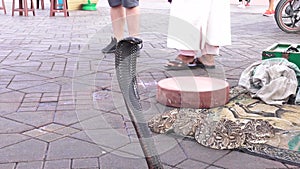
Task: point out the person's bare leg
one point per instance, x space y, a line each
271 5
133 20
118 20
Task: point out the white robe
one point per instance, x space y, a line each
193 23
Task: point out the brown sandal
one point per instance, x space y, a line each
196 63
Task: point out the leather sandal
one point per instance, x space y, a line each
196 63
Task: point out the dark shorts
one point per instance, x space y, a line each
124 3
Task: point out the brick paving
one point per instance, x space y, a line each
60 105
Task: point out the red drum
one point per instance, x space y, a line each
192 92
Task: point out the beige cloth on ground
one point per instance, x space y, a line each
272 80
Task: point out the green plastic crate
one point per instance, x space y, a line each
289 51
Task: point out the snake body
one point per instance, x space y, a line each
212 131
125 65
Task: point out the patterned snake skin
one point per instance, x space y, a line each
210 130
243 123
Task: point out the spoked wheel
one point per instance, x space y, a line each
287 15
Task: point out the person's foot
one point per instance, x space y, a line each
208 59
269 13
180 62
111 47
205 61
184 58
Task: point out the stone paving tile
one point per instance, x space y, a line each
65 117
51 132
53 127
82 136
26 77
50 137
174 156
24 85
42 87
197 152
29 150
11 97
3 112
30 165
35 133
83 102
49 74
58 164
97 122
32 97
112 138
7 166
112 160
111 102
66 107
38 118
47 106
134 148
191 164
85 163
123 154
27 108
114 120
49 99
214 167
66 131
87 114
24 69
235 160
66 99
9 107
10 139
10 126
5 80
29 105
68 148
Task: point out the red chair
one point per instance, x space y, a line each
3 7
23 7
55 7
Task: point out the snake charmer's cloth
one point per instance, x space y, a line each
272 80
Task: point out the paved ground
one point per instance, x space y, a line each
60 106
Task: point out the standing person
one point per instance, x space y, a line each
270 11
122 11
198 25
243 4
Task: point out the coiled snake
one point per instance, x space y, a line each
243 123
